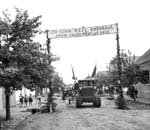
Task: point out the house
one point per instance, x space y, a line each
102 74
144 62
144 88
113 67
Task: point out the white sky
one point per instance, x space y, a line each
84 52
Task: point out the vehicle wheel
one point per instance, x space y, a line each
78 105
63 97
94 104
97 103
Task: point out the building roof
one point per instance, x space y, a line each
144 58
103 73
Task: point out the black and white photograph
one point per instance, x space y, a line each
74 65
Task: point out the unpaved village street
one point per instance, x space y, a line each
107 117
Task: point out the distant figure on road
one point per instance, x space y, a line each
136 92
111 91
26 100
21 98
30 100
132 92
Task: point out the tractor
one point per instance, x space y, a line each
86 91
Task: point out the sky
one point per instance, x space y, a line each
83 53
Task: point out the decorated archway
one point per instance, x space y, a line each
84 32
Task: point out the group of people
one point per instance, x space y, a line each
24 100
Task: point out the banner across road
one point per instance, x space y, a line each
82 32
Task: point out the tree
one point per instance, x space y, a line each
22 62
57 83
131 72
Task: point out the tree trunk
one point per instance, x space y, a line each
51 91
7 105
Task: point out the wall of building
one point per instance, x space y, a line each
143 90
146 66
11 99
3 99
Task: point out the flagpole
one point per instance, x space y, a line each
73 77
94 71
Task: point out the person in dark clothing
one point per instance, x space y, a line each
21 100
26 100
30 100
50 101
136 92
132 93
111 91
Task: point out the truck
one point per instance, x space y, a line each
86 91
66 93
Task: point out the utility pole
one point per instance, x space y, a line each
120 99
48 51
119 59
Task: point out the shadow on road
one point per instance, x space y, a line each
82 106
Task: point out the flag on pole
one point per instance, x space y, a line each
94 71
73 75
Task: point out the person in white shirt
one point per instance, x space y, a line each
39 99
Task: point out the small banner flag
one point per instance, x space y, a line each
73 75
94 71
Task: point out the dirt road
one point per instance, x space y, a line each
67 117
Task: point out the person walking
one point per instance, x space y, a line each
39 99
50 101
30 100
26 100
136 92
132 92
21 98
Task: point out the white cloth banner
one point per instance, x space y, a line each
82 32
